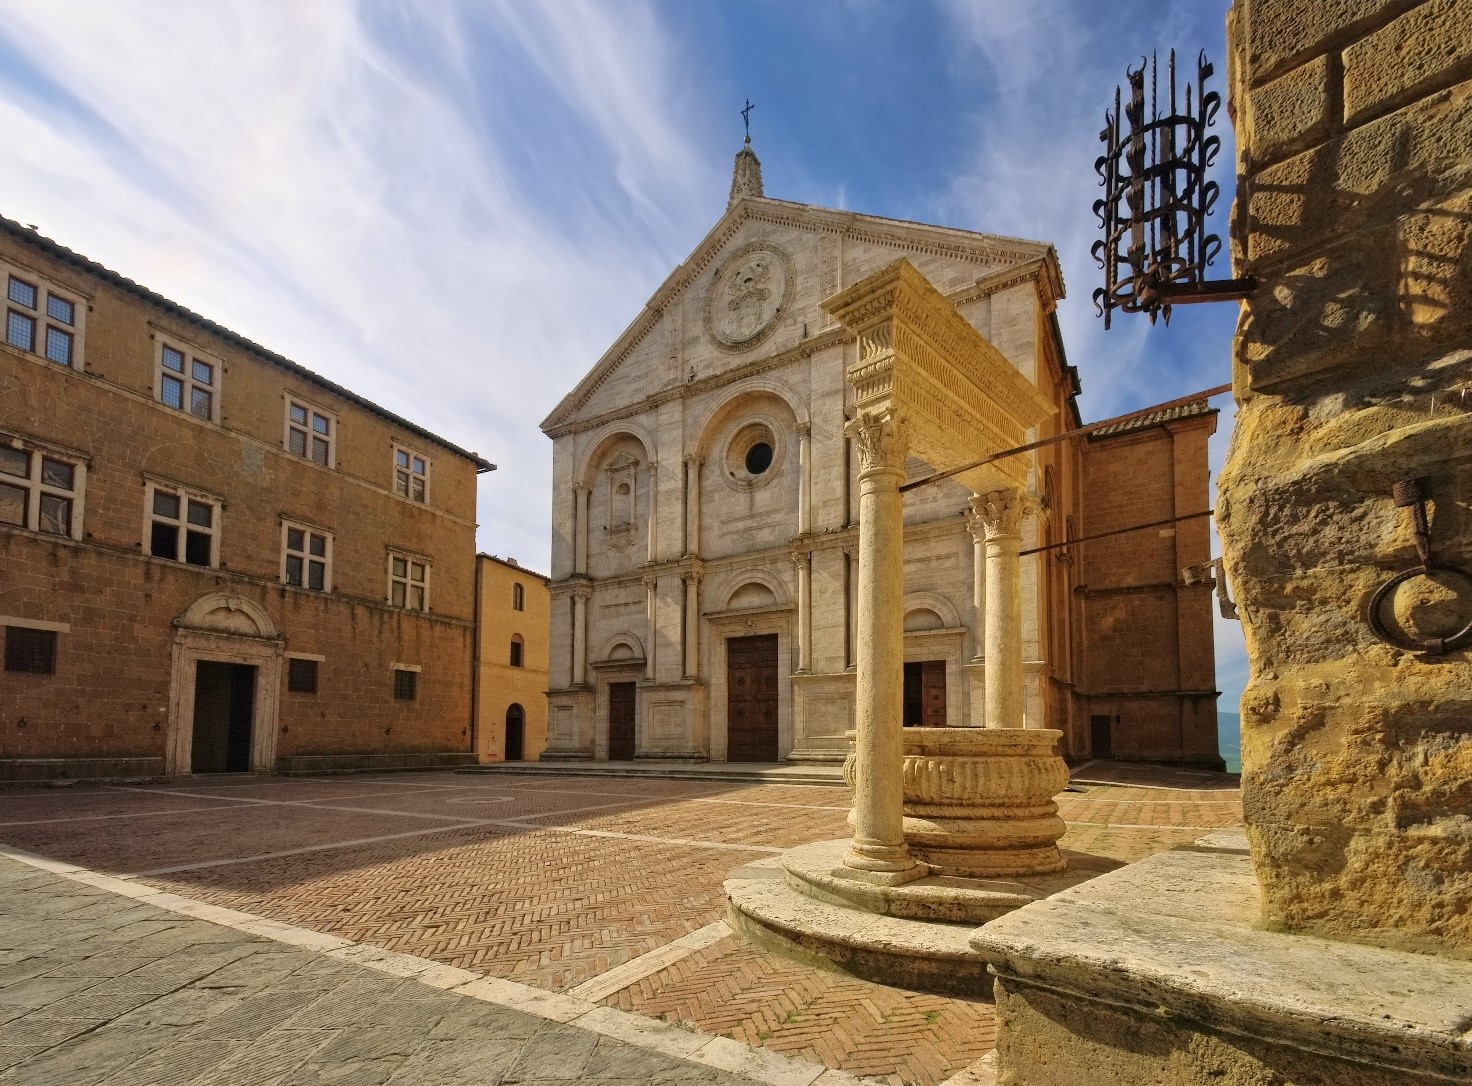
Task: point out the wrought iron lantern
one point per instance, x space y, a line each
1156 250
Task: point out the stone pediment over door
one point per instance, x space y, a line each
230 615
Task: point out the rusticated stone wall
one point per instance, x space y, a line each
1354 211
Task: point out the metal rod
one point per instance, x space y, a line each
1118 531
1182 401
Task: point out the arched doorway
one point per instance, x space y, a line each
515 733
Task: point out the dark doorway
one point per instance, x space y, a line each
1101 736
515 732
620 722
925 694
751 699
224 706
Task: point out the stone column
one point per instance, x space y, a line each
978 575
651 589
805 484
692 504
878 851
580 596
652 551
692 624
1001 513
801 562
580 528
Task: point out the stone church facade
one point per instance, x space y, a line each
705 518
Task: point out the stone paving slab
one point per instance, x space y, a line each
262 1014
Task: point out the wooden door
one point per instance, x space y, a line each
620 722
925 694
751 699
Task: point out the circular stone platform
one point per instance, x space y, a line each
912 936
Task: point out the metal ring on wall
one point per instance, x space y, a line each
1434 645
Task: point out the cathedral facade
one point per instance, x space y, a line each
705 519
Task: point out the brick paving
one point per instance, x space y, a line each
552 881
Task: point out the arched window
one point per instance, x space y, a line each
516 646
518 598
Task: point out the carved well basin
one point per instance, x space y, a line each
979 801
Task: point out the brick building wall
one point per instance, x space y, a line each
1148 666
501 683
114 606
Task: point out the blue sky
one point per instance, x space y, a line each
454 207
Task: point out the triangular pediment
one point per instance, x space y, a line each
746 255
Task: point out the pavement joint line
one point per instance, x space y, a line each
598 988
131 814
723 846
721 1053
227 861
1140 826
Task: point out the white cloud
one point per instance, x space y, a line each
324 179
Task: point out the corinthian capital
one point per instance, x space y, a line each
1000 512
882 438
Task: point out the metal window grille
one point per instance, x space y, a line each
406 685
29 650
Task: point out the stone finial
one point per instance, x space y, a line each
746 179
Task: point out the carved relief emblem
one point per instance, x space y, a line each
748 295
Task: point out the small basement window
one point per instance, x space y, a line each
301 676
29 650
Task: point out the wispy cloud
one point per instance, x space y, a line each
349 184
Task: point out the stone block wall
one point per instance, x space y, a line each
1354 212
115 606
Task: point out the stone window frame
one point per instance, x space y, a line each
33 626
316 660
307 428
306 555
44 320
518 651
191 358
406 581
185 495
518 596
752 430
405 681
405 472
36 487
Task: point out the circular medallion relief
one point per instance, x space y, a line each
750 292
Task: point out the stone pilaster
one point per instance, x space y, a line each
802 564
692 624
580 496
580 595
692 505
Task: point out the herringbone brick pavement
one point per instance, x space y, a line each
552 881
734 989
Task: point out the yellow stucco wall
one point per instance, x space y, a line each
499 684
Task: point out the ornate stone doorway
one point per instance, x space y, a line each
751 698
230 632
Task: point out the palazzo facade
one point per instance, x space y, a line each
705 518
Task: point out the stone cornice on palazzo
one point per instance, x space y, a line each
903 235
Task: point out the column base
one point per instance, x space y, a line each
881 865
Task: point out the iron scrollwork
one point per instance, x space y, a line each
1157 196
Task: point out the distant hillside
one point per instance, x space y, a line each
1229 739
